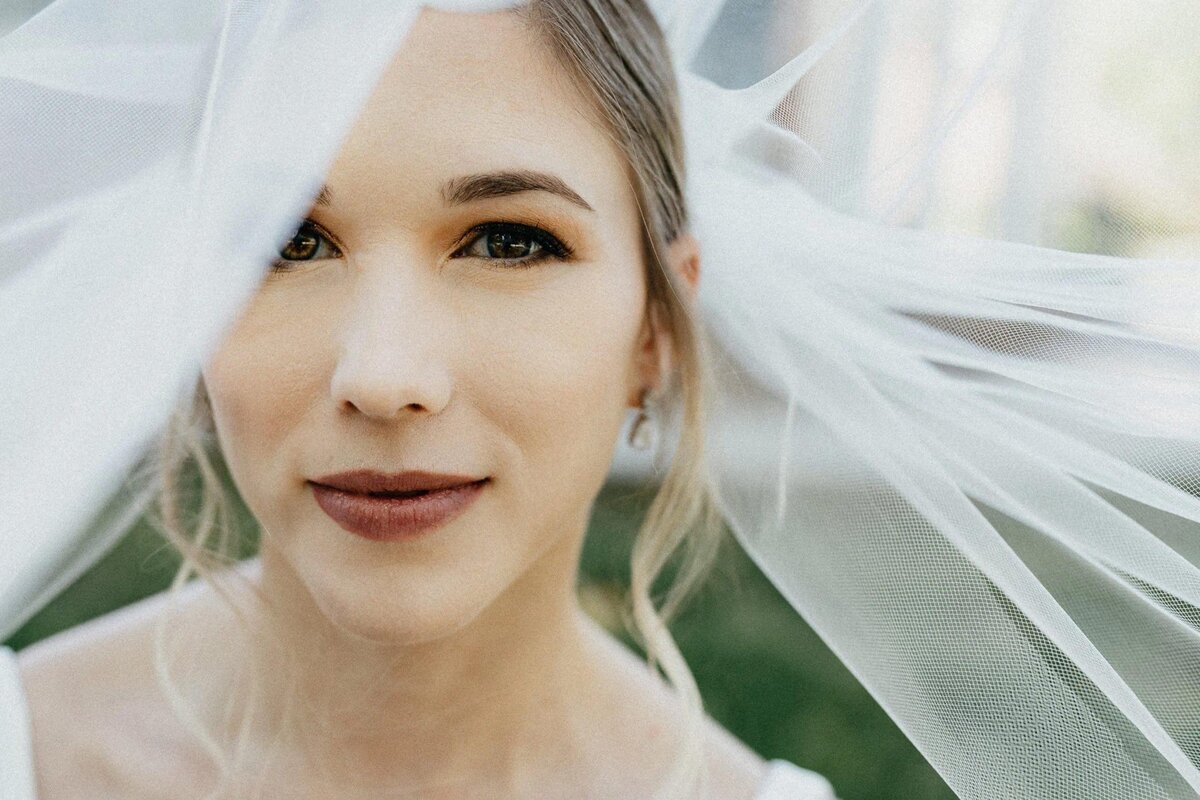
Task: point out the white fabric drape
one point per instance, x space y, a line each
967 458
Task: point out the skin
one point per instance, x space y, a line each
458 664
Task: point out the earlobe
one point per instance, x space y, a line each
641 377
655 355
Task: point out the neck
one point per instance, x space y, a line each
501 702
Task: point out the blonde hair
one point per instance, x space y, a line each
617 55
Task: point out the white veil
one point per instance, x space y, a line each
968 459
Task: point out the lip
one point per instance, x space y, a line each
365 502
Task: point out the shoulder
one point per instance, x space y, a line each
735 771
642 703
100 724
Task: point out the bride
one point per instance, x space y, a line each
419 405
977 473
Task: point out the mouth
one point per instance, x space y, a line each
410 483
393 507
398 495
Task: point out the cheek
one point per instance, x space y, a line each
261 381
559 366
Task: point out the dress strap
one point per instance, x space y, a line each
786 781
16 748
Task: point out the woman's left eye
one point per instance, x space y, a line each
512 243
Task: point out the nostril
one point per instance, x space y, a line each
387 388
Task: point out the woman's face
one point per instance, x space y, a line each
469 301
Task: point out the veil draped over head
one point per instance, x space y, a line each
948 263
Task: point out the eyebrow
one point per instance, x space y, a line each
501 184
470 188
324 197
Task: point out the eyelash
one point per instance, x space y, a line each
283 264
551 246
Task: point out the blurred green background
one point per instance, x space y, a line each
764 674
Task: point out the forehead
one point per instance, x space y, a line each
474 93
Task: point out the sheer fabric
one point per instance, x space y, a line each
949 253
16 752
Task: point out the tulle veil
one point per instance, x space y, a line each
950 257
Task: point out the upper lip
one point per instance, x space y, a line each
368 481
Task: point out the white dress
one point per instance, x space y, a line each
784 780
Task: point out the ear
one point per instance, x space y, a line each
654 352
683 259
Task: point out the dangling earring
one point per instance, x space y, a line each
644 433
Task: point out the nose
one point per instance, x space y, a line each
392 351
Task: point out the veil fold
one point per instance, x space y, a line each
957 381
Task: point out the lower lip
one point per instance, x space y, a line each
388 519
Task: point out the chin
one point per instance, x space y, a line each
404 630
396 601
401 619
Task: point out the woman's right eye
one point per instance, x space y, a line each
309 243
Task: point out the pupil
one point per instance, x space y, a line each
505 244
303 245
